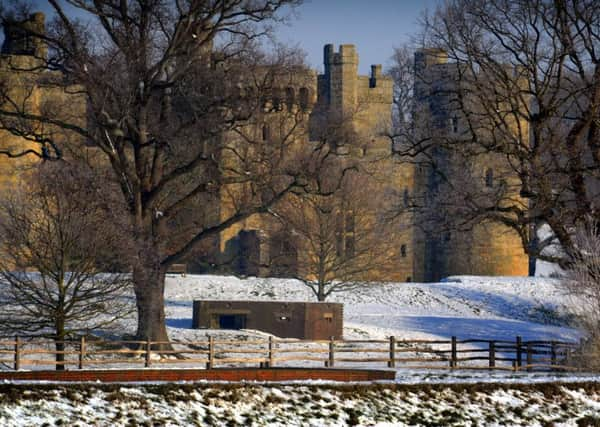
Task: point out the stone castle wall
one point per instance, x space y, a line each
364 105
487 248
340 93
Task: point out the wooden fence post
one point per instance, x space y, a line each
453 361
211 353
553 353
331 360
148 352
270 363
529 356
492 355
519 351
392 361
81 351
17 354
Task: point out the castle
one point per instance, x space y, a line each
363 104
366 103
486 248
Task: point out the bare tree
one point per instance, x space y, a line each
56 245
340 230
582 279
340 241
402 72
518 88
582 283
174 93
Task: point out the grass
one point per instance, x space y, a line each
344 404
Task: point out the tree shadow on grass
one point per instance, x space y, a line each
180 323
506 305
486 329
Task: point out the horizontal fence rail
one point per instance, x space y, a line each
36 353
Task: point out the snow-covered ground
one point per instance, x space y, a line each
302 405
468 307
465 306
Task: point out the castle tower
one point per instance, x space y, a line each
20 37
364 103
21 53
341 70
430 112
486 248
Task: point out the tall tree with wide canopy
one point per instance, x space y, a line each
525 92
173 92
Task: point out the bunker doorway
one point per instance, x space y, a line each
232 321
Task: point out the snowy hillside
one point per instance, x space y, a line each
468 307
465 306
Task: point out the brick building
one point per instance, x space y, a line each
303 320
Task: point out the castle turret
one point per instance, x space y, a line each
341 70
429 56
21 64
427 69
486 248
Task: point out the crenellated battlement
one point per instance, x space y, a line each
346 55
342 89
376 88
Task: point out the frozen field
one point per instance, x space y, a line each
465 306
468 307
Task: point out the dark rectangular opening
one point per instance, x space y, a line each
232 321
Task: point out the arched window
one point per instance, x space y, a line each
349 226
266 132
489 177
265 103
303 98
344 232
454 124
290 98
406 198
349 246
403 251
339 235
277 102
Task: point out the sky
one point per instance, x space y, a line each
374 26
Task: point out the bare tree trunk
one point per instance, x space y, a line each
321 292
149 286
59 346
59 343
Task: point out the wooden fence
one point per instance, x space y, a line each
34 353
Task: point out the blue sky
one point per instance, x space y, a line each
374 26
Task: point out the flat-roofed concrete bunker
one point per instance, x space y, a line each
304 320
